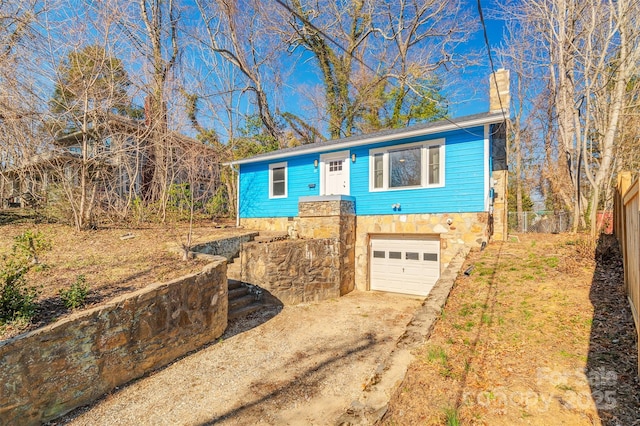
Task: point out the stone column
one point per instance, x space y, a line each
332 216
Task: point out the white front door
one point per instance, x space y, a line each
334 173
408 264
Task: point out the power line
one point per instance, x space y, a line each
493 68
339 46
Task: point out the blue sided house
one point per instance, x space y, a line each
402 202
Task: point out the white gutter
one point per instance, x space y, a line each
379 138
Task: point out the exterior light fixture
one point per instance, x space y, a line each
353 158
315 163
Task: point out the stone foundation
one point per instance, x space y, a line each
466 230
50 371
334 217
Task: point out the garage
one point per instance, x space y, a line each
406 264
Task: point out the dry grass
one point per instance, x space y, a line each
110 265
520 342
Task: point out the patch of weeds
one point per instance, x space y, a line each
486 319
566 354
552 262
485 271
74 297
437 353
533 243
565 387
528 277
468 326
466 310
452 418
527 314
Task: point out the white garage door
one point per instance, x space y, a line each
405 265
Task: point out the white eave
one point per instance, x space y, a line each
420 130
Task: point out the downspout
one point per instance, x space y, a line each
490 186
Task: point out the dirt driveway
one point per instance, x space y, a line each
306 365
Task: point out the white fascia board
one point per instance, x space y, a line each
375 139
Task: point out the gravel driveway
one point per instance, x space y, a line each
309 364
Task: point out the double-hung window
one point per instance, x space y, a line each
408 166
278 180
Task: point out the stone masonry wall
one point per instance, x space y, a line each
277 224
465 230
50 371
227 247
294 271
332 217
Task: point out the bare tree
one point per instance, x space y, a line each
366 49
590 52
236 33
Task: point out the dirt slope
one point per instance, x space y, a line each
539 333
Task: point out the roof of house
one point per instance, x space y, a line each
422 129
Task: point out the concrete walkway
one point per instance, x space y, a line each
334 361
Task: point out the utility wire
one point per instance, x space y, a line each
493 68
339 46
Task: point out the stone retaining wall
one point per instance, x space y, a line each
277 224
50 371
227 247
294 271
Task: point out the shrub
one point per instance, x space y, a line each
17 299
74 297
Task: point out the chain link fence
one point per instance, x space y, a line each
548 222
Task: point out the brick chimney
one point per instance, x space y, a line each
499 97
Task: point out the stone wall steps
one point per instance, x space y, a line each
242 301
233 284
238 292
244 311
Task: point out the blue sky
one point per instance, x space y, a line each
469 94
474 98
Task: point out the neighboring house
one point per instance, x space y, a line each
118 147
419 195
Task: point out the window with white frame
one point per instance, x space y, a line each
408 166
278 180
